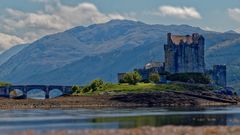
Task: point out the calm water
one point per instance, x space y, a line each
117 118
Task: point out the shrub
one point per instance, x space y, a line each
76 89
94 86
132 78
86 89
154 77
190 77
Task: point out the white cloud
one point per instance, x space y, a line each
178 12
234 13
54 18
7 41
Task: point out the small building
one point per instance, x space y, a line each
153 67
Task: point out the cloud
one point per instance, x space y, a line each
178 12
234 13
7 41
45 1
41 1
53 18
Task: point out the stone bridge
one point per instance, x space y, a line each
6 90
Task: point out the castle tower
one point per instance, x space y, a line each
184 53
219 75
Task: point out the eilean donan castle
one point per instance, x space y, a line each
184 54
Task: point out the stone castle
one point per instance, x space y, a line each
184 54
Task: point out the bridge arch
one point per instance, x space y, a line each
15 93
53 93
36 94
43 88
18 89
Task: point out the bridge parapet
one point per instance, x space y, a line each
4 91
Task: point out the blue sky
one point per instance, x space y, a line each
27 20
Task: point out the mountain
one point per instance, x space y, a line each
81 54
226 52
231 31
5 56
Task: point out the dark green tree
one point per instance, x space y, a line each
95 85
132 78
76 89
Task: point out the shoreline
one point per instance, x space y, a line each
159 99
165 130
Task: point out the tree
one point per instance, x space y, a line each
95 85
132 78
154 77
76 89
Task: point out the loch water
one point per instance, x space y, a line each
112 118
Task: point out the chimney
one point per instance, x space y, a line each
169 38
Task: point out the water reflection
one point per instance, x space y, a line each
117 118
139 121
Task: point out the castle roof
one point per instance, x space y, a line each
176 39
153 65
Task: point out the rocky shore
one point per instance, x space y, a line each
167 130
156 99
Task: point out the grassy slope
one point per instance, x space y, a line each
148 87
5 84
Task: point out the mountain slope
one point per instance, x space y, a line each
5 56
226 52
81 54
108 65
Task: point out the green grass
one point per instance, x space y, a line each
146 87
5 84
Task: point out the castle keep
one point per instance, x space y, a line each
184 54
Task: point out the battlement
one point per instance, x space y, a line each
183 40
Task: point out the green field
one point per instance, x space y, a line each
144 87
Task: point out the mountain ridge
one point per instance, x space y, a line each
70 57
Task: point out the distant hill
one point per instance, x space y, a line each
226 52
5 56
231 31
81 54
